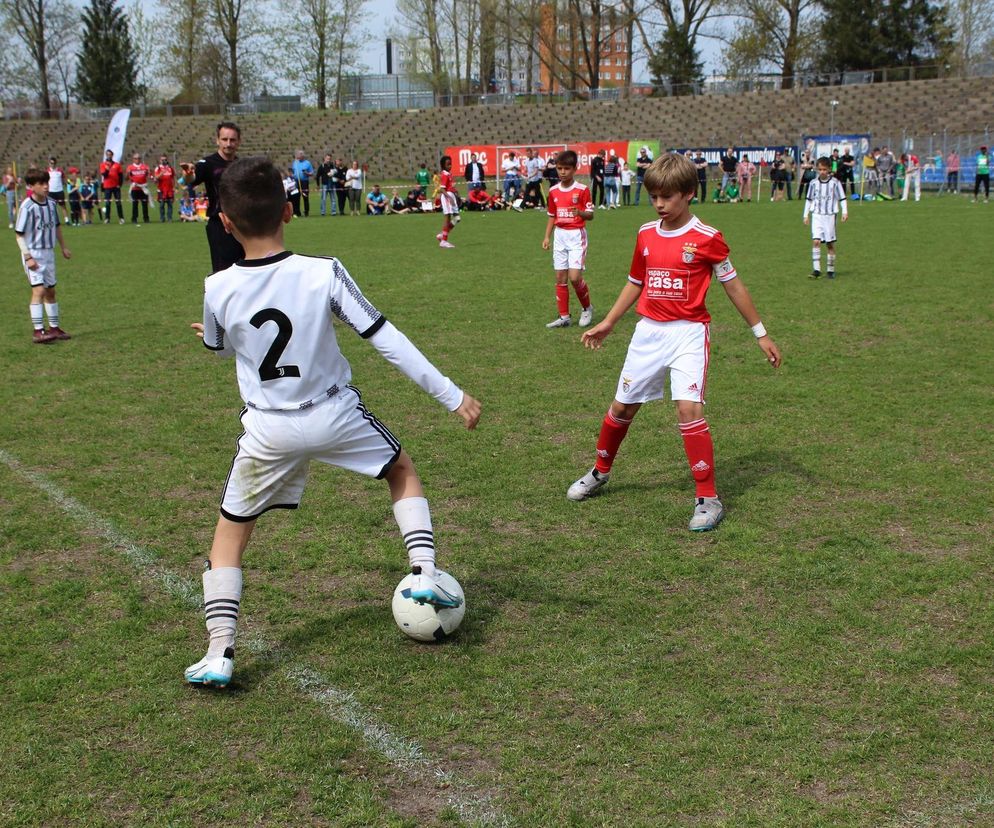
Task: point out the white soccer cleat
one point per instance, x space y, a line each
708 513
426 589
212 671
560 322
438 236
587 316
445 243
587 485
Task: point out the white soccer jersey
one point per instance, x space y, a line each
825 197
37 223
275 315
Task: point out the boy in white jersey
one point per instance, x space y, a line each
671 270
826 195
570 207
273 311
37 229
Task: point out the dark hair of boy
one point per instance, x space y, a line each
252 193
566 158
35 176
824 161
443 159
228 125
671 174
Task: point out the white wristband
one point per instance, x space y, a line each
759 330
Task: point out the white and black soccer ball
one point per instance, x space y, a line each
423 622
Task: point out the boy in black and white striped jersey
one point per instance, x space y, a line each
37 230
824 198
274 312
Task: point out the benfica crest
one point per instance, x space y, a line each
689 251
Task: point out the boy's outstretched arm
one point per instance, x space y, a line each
594 337
400 352
739 294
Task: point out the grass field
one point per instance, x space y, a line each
823 659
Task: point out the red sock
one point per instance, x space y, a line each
446 228
613 431
582 293
562 299
700 454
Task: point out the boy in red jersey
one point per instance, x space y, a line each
450 201
570 208
671 270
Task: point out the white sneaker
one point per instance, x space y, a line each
586 316
445 243
120 221
708 513
587 485
601 207
212 671
427 590
560 322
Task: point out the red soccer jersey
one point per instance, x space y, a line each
138 174
445 178
165 178
562 201
674 268
110 174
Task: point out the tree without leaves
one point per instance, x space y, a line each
676 57
34 23
106 74
777 33
184 55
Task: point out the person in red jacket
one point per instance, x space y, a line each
165 184
138 174
110 182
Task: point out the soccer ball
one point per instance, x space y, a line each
423 622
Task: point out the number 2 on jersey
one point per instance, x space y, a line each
269 370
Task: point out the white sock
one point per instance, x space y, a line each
37 319
816 258
222 597
414 521
52 312
831 262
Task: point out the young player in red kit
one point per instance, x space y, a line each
450 202
570 208
671 270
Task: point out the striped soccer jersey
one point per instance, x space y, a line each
825 197
37 222
275 315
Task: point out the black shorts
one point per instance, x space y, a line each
58 197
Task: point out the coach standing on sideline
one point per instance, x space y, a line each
225 249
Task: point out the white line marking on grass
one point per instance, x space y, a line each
406 755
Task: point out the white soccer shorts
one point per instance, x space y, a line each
450 203
823 227
270 467
680 347
45 274
569 249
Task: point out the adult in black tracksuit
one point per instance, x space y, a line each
225 248
597 178
340 189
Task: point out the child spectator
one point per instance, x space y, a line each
497 201
479 198
186 211
626 183
200 205
412 202
422 178
674 260
826 196
744 171
397 203
73 185
37 229
292 190
570 207
300 405
87 197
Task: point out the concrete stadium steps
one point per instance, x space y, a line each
394 142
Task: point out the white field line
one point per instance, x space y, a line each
473 807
